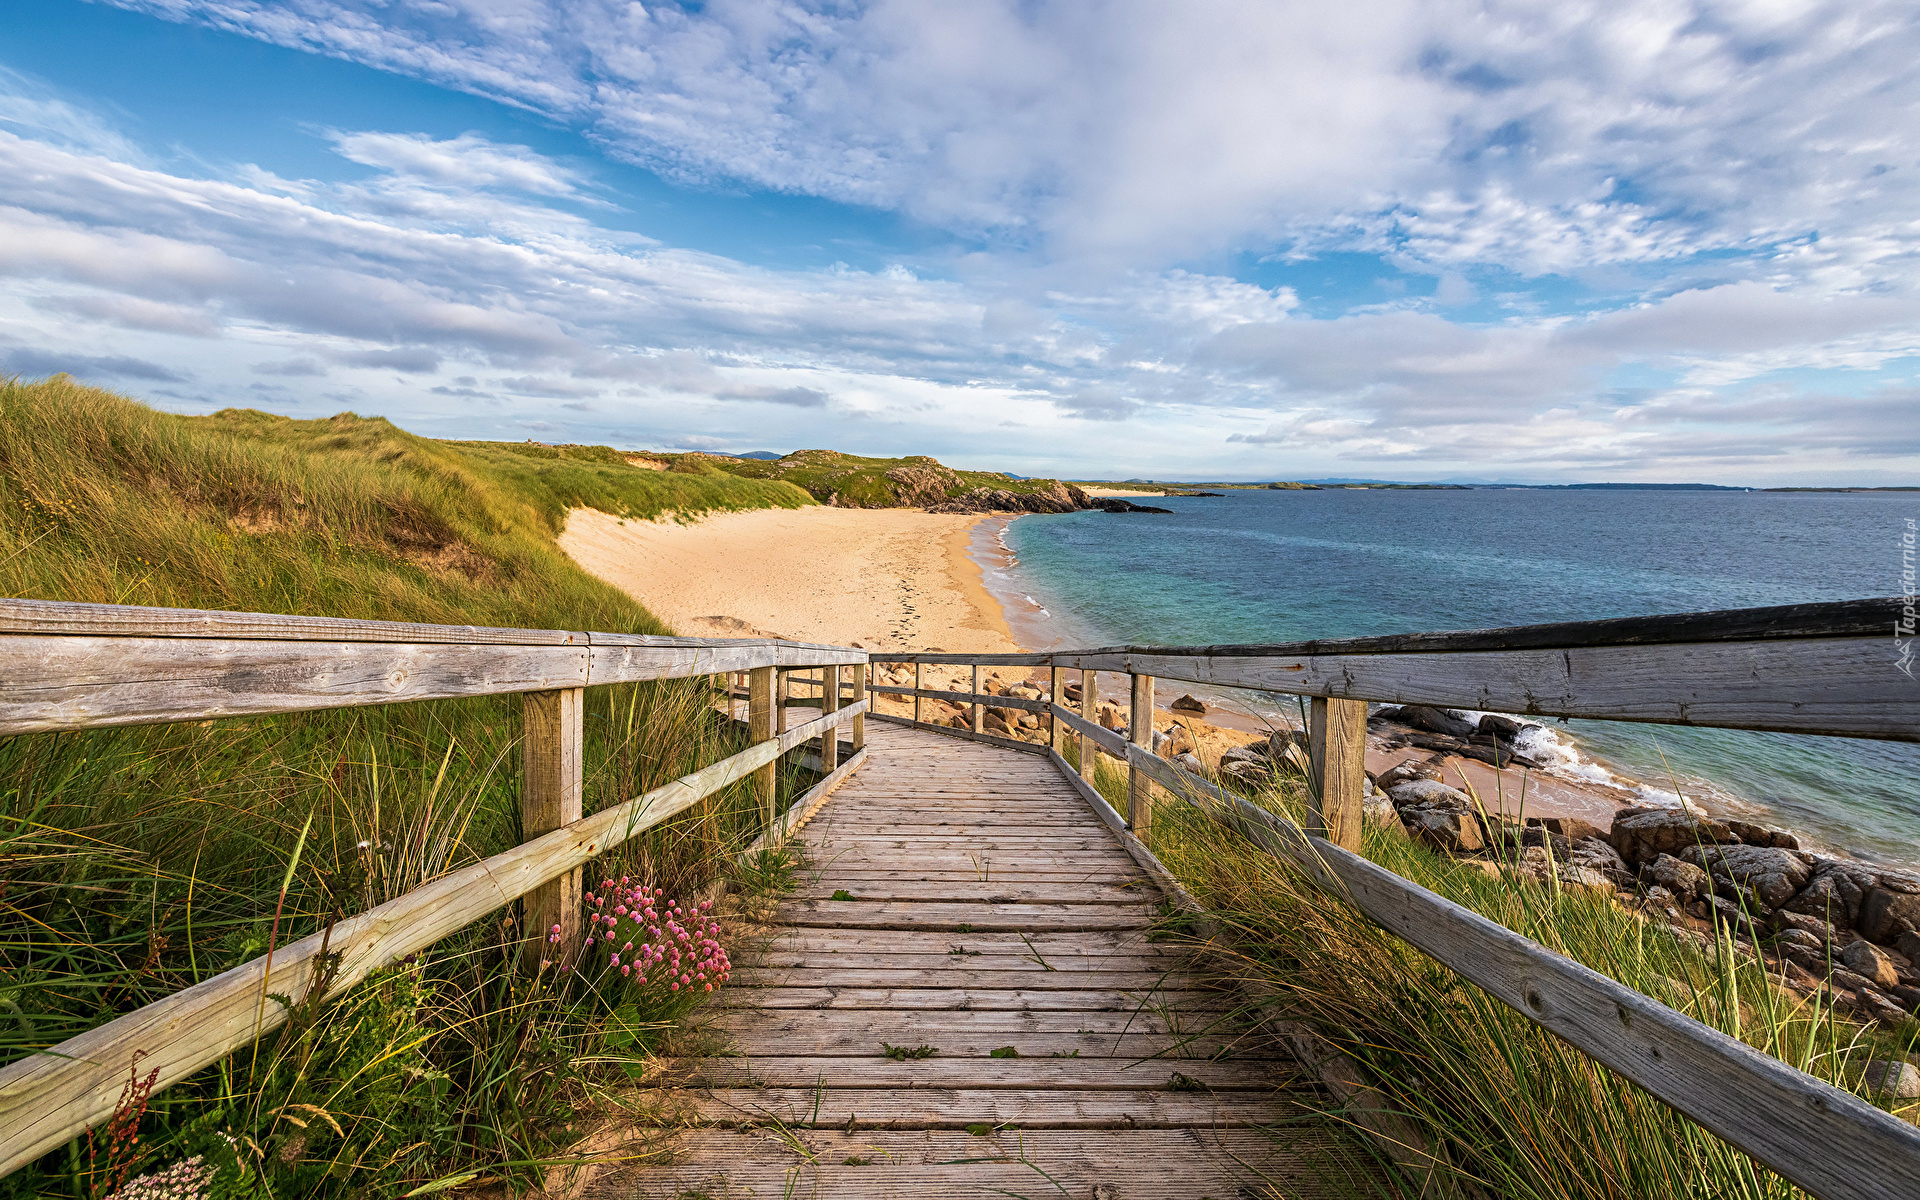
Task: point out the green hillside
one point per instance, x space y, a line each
850 481
136 862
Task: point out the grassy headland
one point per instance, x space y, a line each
136 862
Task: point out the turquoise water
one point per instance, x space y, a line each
1262 566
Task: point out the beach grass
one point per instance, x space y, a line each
140 861
1504 1106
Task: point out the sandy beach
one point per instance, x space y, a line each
883 579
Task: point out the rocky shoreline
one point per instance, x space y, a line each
1823 922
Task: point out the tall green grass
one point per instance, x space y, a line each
1504 1105
135 862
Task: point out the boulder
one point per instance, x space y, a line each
1909 945
1188 704
1871 963
1435 720
1732 915
1683 879
1376 809
1503 728
1892 1078
1642 835
1571 828
1763 835
1444 830
1189 761
1073 693
1771 877
1586 879
1430 793
1594 854
1406 772
1800 938
1245 770
1813 927
1885 914
1834 893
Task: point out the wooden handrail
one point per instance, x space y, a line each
73 666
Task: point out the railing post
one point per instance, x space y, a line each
859 694
552 772
1140 733
1056 694
979 710
782 693
1337 740
829 704
919 681
760 722
1089 712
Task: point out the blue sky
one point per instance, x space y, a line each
1437 240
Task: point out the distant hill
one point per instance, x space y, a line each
851 481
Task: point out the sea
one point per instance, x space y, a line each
1278 566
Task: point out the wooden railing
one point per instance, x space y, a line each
78 666
1817 668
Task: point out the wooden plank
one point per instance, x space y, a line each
1090 732
783 652
946 972
55 1094
632 664
46 617
1090 944
1137 1039
909 999
1051 1074
553 762
919 683
1836 686
1184 1164
76 681
830 703
973 892
932 915
962 660
954 1108
1828 1141
760 718
1140 733
1871 618
1337 735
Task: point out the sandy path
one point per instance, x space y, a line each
888 579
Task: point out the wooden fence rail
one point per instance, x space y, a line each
1818 668
73 666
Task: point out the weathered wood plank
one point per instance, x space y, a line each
1074 1074
930 915
1830 1142
54 1095
632 664
961 660
836 997
973 892
1837 686
75 681
1021 702
553 764
1338 738
1184 1164
1829 619
953 1108
45 617
1106 739
946 972
1140 734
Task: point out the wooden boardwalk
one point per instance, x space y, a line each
996 920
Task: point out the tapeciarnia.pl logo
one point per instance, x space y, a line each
1904 627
